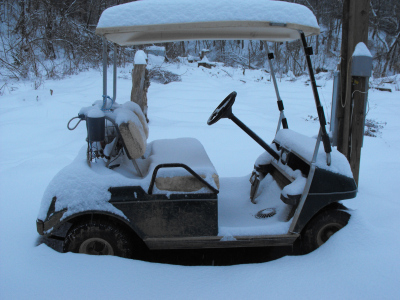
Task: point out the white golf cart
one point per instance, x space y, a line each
123 192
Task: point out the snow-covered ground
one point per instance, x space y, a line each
360 262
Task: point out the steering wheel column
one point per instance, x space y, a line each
224 110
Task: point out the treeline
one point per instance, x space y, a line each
49 39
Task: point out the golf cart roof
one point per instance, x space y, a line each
156 21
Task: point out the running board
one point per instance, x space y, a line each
221 242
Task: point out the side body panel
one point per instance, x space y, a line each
159 216
326 188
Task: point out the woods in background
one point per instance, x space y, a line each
50 39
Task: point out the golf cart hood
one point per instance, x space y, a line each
156 21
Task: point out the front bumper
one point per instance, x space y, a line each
40 226
51 222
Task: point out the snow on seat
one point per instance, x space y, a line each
134 132
131 123
187 151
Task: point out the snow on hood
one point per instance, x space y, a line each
304 146
79 187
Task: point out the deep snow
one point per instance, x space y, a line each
359 262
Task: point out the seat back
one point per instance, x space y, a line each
133 128
134 138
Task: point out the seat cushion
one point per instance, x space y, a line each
188 151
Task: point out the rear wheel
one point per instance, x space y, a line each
98 238
321 228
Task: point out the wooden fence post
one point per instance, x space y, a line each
140 81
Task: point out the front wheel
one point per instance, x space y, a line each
321 228
98 238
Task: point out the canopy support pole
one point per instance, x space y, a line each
282 118
320 110
115 74
104 73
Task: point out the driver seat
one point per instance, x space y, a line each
187 151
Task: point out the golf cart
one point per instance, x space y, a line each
123 193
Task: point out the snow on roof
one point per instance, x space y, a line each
151 21
361 50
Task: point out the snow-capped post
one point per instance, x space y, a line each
205 63
361 68
354 31
140 81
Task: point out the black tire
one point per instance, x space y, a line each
98 238
321 228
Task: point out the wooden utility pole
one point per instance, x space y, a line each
354 30
359 90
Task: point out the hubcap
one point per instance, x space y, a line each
96 246
326 232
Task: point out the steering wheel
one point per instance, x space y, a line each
223 110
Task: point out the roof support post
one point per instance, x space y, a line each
104 73
115 73
282 118
320 109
